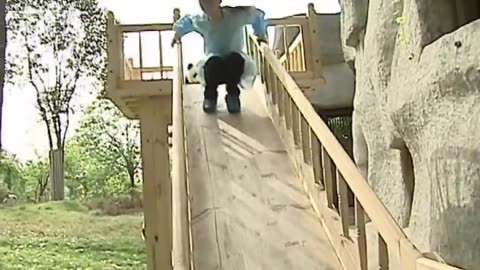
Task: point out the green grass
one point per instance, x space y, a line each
66 236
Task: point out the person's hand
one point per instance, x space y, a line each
174 40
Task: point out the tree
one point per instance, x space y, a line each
10 174
3 47
88 176
114 139
64 45
35 175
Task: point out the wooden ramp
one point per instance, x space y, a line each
249 210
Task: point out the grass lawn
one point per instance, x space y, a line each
66 236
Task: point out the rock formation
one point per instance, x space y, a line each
417 116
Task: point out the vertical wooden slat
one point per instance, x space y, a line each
302 50
317 160
155 116
294 59
121 52
285 47
275 90
114 48
160 54
295 124
306 147
288 111
343 204
383 262
278 95
361 235
328 177
140 53
248 40
265 73
264 66
282 95
315 40
334 186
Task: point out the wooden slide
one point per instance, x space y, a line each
249 210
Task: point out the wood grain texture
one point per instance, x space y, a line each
249 210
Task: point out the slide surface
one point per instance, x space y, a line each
249 209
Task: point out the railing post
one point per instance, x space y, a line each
155 116
180 210
317 67
113 61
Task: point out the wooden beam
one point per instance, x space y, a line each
151 27
137 88
155 116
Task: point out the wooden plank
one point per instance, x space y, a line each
344 248
180 210
138 88
151 27
361 235
428 264
204 242
263 217
157 186
380 216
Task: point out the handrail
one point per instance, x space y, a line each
151 27
289 106
293 58
180 209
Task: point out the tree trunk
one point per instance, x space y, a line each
3 46
57 175
131 175
41 187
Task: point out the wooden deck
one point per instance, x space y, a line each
249 210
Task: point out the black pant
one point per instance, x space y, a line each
223 70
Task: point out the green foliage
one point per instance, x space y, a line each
64 46
400 21
113 139
10 171
101 161
103 158
35 174
29 181
63 50
60 235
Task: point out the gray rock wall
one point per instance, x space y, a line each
417 116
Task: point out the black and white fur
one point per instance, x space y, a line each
192 74
10 199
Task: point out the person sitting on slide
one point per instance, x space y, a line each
225 62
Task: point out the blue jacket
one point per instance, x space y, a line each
226 36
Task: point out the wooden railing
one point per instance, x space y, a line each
128 84
322 164
182 249
305 43
328 173
307 71
141 72
154 94
293 59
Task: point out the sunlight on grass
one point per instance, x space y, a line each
64 235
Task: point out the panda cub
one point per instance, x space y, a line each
192 74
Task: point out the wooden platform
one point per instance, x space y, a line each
249 211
